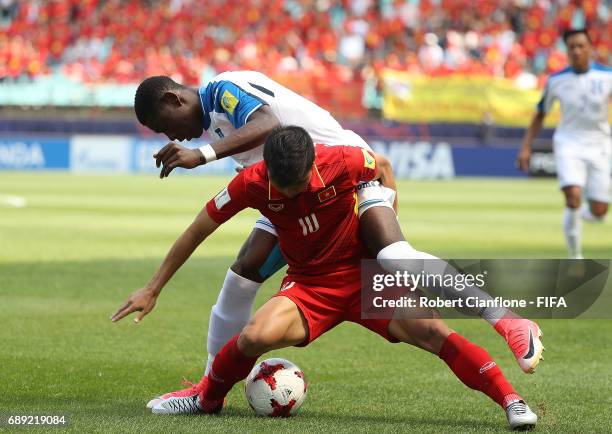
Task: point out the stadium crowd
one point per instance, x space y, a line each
122 41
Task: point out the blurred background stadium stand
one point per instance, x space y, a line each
445 87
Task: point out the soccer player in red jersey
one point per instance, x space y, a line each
240 109
308 194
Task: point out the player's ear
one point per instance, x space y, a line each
171 99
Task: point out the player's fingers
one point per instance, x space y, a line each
141 315
160 154
173 160
169 168
168 155
126 304
125 312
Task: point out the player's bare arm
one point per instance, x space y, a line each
385 175
143 300
524 155
259 125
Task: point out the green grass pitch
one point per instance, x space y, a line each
83 243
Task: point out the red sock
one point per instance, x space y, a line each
229 367
476 369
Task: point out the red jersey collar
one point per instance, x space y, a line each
316 182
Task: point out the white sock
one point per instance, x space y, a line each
587 215
231 312
571 229
421 261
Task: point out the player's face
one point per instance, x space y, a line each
177 122
293 191
579 51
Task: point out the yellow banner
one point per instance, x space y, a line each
460 99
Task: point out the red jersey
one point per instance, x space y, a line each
318 231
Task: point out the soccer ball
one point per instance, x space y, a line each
276 388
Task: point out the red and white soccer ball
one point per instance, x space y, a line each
276 388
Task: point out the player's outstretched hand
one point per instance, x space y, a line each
141 301
522 161
174 155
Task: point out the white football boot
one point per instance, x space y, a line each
520 417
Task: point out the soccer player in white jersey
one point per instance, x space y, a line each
581 141
240 109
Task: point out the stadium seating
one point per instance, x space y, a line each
120 41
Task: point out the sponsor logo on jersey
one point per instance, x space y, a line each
276 207
368 161
229 102
222 198
327 194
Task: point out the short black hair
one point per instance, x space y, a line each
571 32
289 154
149 96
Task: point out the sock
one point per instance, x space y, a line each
571 229
230 366
231 312
588 216
477 370
401 256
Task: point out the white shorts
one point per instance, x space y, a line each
369 195
588 169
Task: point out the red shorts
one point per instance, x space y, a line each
328 301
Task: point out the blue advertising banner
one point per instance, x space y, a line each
485 161
130 154
427 160
34 154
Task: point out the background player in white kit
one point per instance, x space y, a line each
241 109
581 141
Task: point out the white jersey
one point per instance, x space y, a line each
584 99
231 97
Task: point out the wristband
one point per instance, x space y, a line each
208 152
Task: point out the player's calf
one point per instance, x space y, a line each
469 362
477 370
422 328
256 261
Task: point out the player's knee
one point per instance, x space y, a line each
599 210
256 339
572 202
572 197
247 267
